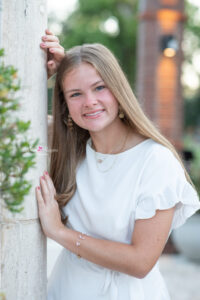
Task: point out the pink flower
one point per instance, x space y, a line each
39 148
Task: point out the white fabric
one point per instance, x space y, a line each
110 197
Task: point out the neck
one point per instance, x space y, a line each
110 140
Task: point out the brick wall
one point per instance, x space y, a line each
158 77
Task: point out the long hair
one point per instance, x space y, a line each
71 144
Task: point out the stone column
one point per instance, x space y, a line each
22 243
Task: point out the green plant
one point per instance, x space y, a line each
16 156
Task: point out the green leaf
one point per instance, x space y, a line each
1 52
16 158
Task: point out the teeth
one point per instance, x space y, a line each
94 114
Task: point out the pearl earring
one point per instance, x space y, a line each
121 114
69 122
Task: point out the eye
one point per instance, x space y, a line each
100 87
74 95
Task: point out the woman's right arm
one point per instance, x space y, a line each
55 52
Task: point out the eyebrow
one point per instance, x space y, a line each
75 90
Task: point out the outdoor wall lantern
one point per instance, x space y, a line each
169 45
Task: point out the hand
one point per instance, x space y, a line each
55 52
49 213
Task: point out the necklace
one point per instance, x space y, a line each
102 159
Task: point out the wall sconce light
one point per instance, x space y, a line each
169 45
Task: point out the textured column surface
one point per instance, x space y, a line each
22 243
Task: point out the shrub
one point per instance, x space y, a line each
16 156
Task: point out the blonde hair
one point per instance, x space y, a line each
71 145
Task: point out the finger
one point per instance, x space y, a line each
50 45
51 68
51 64
45 191
47 31
50 181
39 197
57 49
50 184
58 53
50 38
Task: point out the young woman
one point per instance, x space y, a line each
115 179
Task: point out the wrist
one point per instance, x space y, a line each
70 239
59 234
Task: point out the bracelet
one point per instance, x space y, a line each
78 242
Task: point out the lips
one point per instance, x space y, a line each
94 113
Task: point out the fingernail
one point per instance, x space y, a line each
44 38
52 50
46 173
38 188
43 177
43 44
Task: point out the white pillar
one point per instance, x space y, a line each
22 243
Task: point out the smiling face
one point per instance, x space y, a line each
91 104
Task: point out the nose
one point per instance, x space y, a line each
90 99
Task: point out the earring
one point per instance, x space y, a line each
121 114
69 122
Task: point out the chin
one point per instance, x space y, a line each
96 129
93 127
97 126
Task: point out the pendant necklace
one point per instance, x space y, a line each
99 160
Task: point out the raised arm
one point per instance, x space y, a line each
55 52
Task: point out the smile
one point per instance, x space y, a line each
94 114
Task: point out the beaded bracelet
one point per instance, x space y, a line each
78 243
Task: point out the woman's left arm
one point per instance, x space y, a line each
135 259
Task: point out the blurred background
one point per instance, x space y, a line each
115 23
157 44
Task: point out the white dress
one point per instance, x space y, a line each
110 197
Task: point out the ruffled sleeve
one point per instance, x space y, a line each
163 185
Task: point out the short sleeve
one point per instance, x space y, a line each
163 185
